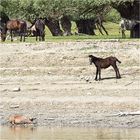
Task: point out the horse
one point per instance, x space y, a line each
12 26
40 29
124 25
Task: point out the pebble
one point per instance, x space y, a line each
89 93
17 89
14 106
49 72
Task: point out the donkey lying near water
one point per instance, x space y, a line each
19 119
104 63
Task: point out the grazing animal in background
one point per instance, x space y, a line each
101 63
12 26
40 29
126 24
33 31
19 119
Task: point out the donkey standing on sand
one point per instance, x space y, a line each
104 63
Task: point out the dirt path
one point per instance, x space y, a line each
57 83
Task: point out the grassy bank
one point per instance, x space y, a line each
112 28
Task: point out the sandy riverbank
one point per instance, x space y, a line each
57 83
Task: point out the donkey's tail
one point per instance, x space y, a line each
118 60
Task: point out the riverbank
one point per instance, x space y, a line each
55 83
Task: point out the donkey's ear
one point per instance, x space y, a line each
89 55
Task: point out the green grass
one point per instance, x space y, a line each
112 28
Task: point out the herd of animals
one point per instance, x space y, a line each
39 25
21 27
38 28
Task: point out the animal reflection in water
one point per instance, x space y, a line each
21 129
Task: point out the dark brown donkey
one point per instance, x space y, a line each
14 25
104 63
40 29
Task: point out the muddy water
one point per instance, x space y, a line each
45 133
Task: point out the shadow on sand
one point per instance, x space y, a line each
107 78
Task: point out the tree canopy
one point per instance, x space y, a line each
74 9
53 8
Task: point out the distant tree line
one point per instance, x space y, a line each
83 12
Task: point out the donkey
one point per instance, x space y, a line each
126 24
20 119
14 25
40 29
104 63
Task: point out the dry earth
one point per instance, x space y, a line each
57 83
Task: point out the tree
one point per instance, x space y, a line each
80 11
56 10
129 9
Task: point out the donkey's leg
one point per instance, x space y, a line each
20 37
96 74
11 34
24 34
43 36
119 76
99 73
40 36
116 71
24 38
115 68
123 33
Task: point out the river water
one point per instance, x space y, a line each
46 133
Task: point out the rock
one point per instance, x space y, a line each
14 106
49 72
17 89
1 106
81 77
89 93
87 78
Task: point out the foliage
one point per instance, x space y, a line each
53 8
76 9
113 16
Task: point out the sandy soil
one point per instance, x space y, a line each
57 83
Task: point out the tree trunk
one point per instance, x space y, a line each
135 32
66 26
3 17
130 10
86 26
54 27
